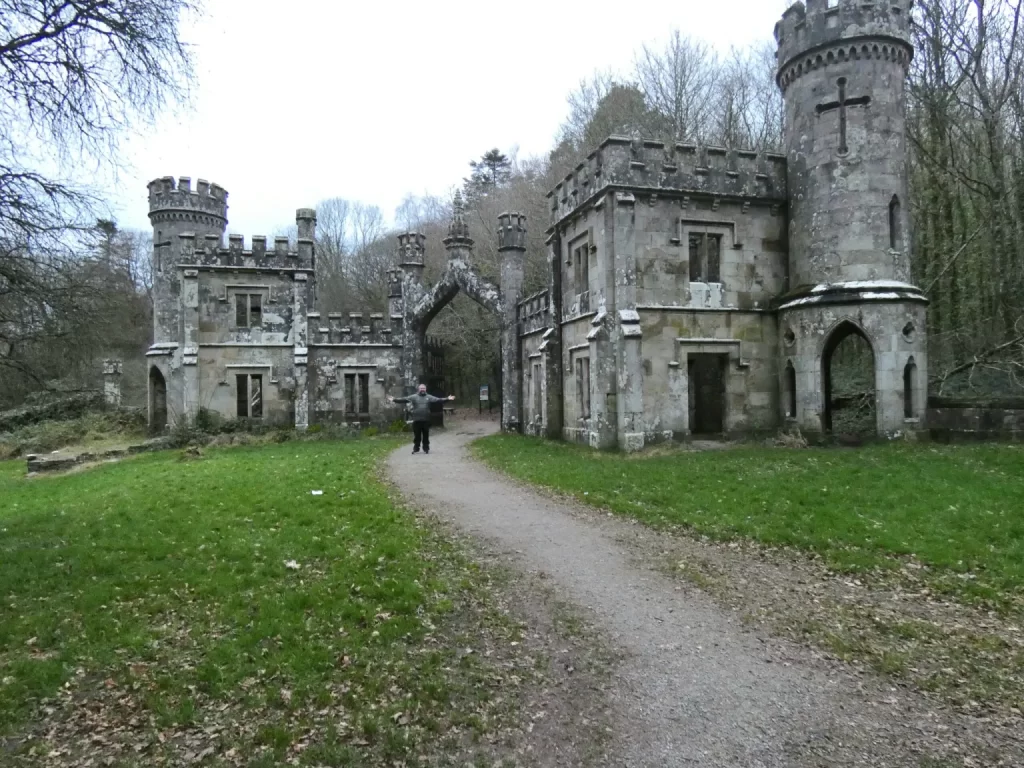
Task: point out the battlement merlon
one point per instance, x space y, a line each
511 232
670 169
167 197
804 29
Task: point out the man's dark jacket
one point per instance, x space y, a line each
420 405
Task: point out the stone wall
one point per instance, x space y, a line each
220 366
747 340
952 419
377 365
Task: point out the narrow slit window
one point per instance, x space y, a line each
790 391
586 387
537 394
895 233
909 380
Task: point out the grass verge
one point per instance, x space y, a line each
916 563
215 611
956 510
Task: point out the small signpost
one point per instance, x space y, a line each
485 397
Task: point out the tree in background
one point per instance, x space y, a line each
73 76
490 172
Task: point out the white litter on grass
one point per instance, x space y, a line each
317 493
291 565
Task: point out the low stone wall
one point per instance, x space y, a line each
54 408
951 419
57 463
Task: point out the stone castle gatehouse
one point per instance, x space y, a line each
693 289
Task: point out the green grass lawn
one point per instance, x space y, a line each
159 609
958 509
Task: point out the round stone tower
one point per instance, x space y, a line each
175 209
181 217
842 66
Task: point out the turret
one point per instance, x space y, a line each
411 250
175 208
842 65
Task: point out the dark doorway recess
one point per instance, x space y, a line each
707 393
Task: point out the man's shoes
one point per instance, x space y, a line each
425 451
415 451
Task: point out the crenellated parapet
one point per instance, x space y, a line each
176 201
657 167
822 32
411 248
209 251
339 329
511 232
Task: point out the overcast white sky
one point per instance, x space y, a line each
307 99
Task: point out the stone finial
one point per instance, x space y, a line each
458 230
512 232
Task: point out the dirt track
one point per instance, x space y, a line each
695 687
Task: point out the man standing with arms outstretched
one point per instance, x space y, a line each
420 403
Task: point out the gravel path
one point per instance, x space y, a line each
695 688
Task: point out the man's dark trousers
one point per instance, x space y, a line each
421 431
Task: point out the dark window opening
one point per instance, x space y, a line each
255 309
357 394
581 274
790 391
909 379
350 393
583 385
249 396
537 394
241 315
248 310
364 393
705 257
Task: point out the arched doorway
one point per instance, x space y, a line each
848 386
157 400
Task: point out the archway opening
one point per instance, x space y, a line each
157 400
848 370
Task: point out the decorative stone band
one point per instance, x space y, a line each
852 292
860 48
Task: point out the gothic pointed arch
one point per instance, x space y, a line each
848 379
420 305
